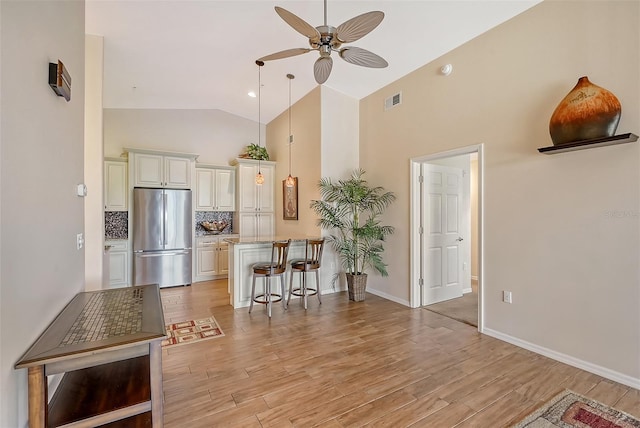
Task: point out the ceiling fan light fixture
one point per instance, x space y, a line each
326 38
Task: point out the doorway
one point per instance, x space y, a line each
446 238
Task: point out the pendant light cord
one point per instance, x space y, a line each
290 76
260 64
290 182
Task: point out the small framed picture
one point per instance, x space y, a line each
290 200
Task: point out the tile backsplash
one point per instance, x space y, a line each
213 216
116 224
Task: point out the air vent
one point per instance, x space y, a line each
393 101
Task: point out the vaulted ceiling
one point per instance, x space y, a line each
200 54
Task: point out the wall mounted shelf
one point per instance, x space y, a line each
589 144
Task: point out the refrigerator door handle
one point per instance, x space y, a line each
164 220
161 254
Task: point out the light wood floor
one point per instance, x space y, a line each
342 364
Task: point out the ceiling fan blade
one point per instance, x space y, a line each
285 54
362 57
322 69
358 27
297 23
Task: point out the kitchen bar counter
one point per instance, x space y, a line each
251 240
244 252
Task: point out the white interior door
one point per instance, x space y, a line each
441 224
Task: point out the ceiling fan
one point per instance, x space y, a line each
326 39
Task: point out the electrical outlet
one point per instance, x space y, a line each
506 297
79 241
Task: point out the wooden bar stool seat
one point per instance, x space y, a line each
267 270
310 263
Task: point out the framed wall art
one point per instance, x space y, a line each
290 200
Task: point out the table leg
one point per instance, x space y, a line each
155 372
37 382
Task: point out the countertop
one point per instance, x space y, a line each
220 235
248 240
97 320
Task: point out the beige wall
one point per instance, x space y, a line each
95 268
552 235
41 162
305 161
217 136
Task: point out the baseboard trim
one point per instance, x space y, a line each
567 359
388 296
467 290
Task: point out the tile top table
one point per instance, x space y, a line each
99 328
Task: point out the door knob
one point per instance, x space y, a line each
459 239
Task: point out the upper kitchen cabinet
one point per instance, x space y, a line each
115 185
255 202
215 188
252 196
155 169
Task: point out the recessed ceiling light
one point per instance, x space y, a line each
252 94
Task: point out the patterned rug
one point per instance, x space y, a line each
192 331
569 409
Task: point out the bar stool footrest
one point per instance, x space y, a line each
260 298
310 292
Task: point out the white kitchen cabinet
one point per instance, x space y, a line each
212 257
255 203
215 188
115 185
118 263
256 224
252 196
160 169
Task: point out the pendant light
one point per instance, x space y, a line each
289 182
259 176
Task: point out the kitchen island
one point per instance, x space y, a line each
244 252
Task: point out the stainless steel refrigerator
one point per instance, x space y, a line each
162 237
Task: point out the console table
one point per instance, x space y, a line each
106 342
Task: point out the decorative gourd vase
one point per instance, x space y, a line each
587 112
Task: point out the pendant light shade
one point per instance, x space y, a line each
290 182
259 176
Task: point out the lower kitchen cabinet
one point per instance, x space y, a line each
256 224
118 263
212 257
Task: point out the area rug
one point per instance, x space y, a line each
569 409
192 331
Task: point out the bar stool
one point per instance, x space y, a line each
310 263
276 267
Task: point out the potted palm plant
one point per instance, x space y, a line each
350 210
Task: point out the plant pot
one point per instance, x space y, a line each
356 285
587 112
